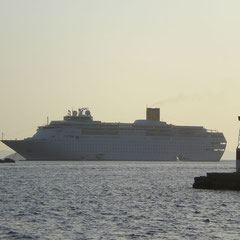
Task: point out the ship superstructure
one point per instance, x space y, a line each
79 137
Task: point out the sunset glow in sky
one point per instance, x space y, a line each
116 57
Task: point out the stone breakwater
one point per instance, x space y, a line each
218 181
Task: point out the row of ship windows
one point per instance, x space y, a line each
78 137
139 148
153 134
173 143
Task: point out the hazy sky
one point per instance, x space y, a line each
116 56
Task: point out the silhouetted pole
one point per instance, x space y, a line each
238 152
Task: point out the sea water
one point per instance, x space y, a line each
115 200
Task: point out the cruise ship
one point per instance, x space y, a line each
79 137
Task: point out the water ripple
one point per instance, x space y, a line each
114 200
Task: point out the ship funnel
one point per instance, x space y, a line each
153 114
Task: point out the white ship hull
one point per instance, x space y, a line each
117 148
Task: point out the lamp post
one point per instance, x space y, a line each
238 152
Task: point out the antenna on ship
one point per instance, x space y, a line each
47 120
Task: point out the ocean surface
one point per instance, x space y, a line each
115 200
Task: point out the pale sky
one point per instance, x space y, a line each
117 56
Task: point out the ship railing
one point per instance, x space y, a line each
211 131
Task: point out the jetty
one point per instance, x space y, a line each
221 181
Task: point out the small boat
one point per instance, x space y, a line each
7 160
